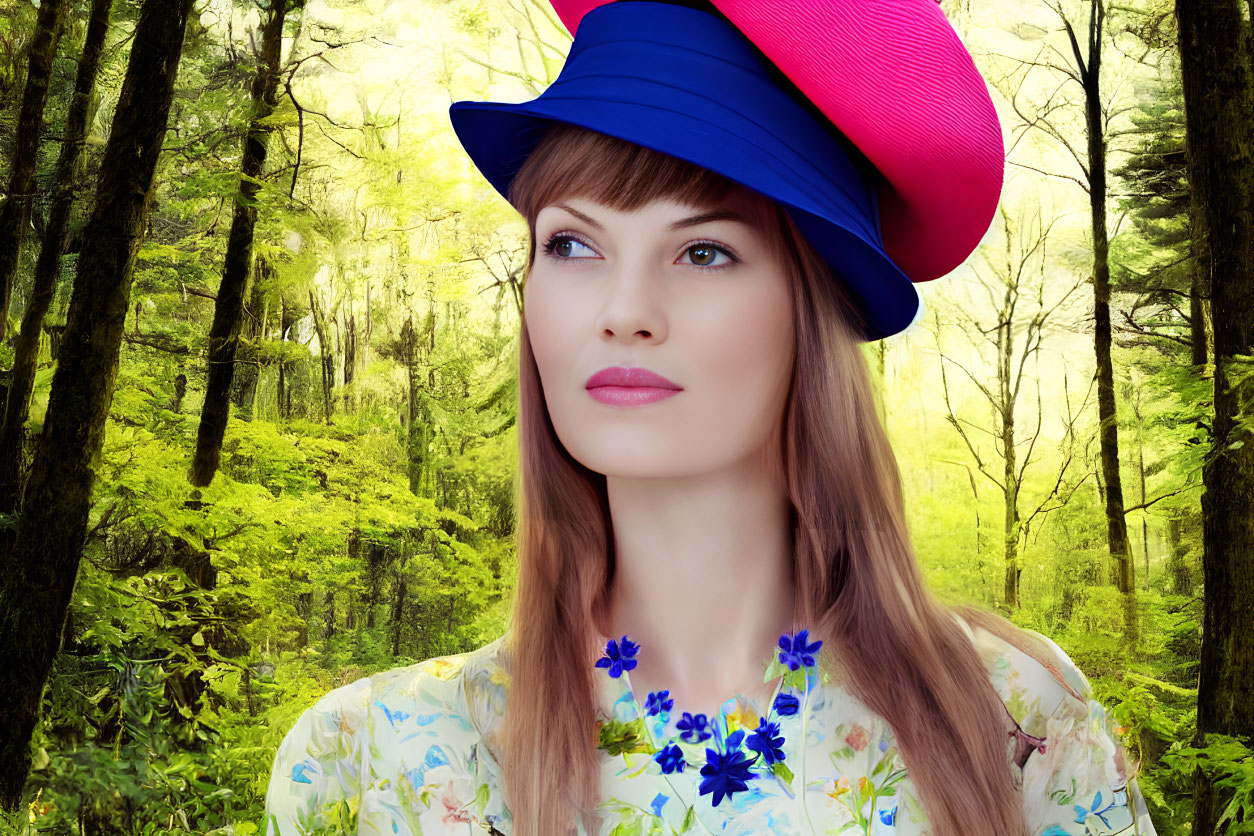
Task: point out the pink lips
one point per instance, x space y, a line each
619 386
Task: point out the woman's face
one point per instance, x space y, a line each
693 295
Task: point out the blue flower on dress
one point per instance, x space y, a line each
1082 813
787 705
298 771
795 652
619 656
671 759
658 702
695 729
394 717
728 773
767 742
889 816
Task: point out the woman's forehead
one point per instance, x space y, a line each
739 199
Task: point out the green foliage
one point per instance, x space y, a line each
1229 762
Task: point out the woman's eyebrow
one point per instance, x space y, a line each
695 220
707 217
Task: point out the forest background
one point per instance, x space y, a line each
282 456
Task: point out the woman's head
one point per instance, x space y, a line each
625 273
637 301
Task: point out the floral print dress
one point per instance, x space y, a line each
411 751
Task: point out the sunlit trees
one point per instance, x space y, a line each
229 304
1006 325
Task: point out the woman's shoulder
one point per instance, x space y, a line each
1034 677
1075 772
453 690
405 750
466 686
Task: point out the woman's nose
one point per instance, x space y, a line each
634 301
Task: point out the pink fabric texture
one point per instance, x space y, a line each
894 77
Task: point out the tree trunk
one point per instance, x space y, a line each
284 324
304 610
247 367
1008 389
418 425
228 309
16 208
350 348
329 603
327 360
1142 478
1199 287
398 614
1219 117
1181 576
48 268
1124 569
37 582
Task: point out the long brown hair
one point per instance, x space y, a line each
859 587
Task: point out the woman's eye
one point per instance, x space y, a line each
563 246
705 255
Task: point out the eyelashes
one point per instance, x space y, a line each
556 240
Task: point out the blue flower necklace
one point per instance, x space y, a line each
739 755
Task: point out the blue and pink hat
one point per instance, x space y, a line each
865 119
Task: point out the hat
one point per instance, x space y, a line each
706 88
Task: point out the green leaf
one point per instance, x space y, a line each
775 668
617 737
783 772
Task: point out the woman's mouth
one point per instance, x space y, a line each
630 395
630 386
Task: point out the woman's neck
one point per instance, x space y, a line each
703 582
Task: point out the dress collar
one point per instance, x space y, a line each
617 700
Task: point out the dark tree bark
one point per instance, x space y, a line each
1124 570
398 613
1199 287
1215 63
284 405
247 374
1177 560
38 576
304 609
228 310
16 207
48 268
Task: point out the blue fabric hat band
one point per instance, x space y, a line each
689 84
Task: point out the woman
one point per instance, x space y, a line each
719 623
